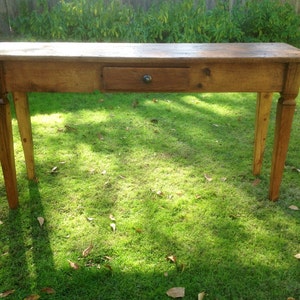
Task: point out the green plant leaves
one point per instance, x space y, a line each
165 21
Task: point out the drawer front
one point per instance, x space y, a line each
145 79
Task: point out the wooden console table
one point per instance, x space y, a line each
86 67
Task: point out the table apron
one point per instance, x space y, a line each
47 76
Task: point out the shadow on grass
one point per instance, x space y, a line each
31 258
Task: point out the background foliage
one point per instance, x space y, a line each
164 21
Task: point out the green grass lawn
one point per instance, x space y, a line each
142 162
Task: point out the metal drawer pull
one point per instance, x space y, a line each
147 78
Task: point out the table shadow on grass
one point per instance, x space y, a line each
31 257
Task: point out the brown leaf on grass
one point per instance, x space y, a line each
112 218
176 292
297 255
73 265
208 178
256 182
100 137
33 297
113 227
171 258
106 257
179 193
159 193
293 207
54 170
48 290
87 251
70 128
6 293
201 296
107 266
41 221
291 298
295 169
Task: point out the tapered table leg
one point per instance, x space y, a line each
263 108
7 153
284 118
24 124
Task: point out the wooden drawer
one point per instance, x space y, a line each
141 79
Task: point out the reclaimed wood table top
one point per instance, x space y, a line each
125 52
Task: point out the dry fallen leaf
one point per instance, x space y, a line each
159 193
201 296
7 293
107 266
208 178
54 170
33 297
87 251
100 137
295 169
256 182
106 257
176 292
113 227
73 265
294 207
70 128
112 218
48 290
171 258
291 298
41 221
297 255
